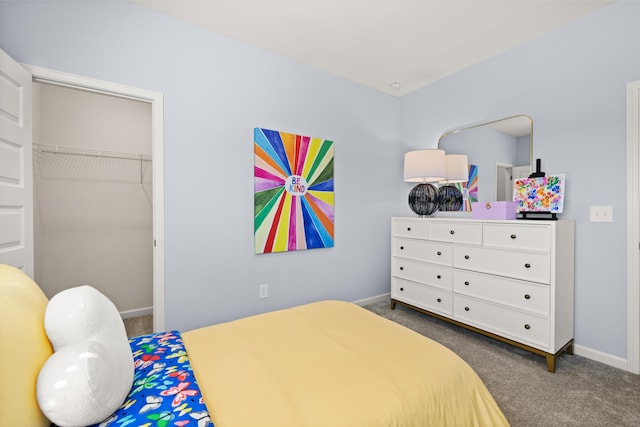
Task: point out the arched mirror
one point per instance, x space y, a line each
499 152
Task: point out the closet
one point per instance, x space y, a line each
93 211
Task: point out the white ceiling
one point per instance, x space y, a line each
377 42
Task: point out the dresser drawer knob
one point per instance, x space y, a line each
527 326
527 265
466 257
513 236
439 276
439 300
527 296
439 253
402 248
401 268
408 228
401 289
466 309
452 232
466 283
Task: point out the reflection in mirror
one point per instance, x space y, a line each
499 152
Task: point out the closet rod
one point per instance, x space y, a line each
57 149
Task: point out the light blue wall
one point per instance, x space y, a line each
522 152
572 82
215 92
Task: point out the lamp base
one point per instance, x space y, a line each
424 199
450 198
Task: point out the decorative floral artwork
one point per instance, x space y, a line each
543 194
469 189
293 192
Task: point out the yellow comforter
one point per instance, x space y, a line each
333 364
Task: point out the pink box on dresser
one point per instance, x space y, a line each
494 210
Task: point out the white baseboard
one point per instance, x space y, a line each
373 300
144 311
598 356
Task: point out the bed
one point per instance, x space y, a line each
328 363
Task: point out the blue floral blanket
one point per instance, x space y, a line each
164 391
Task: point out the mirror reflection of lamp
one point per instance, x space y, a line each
424 167
457 170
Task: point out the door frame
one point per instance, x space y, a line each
45 75
633 227
499 176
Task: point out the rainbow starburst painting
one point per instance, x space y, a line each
469 189
293 192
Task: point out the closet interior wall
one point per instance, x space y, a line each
93 195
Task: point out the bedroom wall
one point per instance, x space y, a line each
572 82
215 92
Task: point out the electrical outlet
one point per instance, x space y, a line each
263 290
601 214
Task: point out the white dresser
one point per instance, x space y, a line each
510 280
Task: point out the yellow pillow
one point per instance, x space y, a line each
25 348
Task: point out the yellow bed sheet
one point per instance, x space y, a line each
333 364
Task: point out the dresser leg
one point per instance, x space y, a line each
393 304
551 363
570 349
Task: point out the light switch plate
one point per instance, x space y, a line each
601 214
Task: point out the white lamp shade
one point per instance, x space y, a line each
457 166
424 166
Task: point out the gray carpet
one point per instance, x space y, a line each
136 326
581 392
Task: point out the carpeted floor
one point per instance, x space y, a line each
580 393
136 326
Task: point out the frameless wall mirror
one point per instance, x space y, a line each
501 151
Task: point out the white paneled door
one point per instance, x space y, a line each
16 188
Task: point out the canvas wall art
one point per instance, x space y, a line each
541 194
469 189
293 192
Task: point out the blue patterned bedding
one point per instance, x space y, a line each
164 391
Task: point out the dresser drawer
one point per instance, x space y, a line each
427 297
423 250
415 228
456 232
509 323
518 236
531 266
515 293
422 272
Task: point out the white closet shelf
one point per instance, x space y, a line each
76 151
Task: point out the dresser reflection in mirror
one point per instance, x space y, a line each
502 151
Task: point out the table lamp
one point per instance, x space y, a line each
424 167
457 170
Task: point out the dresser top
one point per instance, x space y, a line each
469 219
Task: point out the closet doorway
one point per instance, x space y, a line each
97 162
